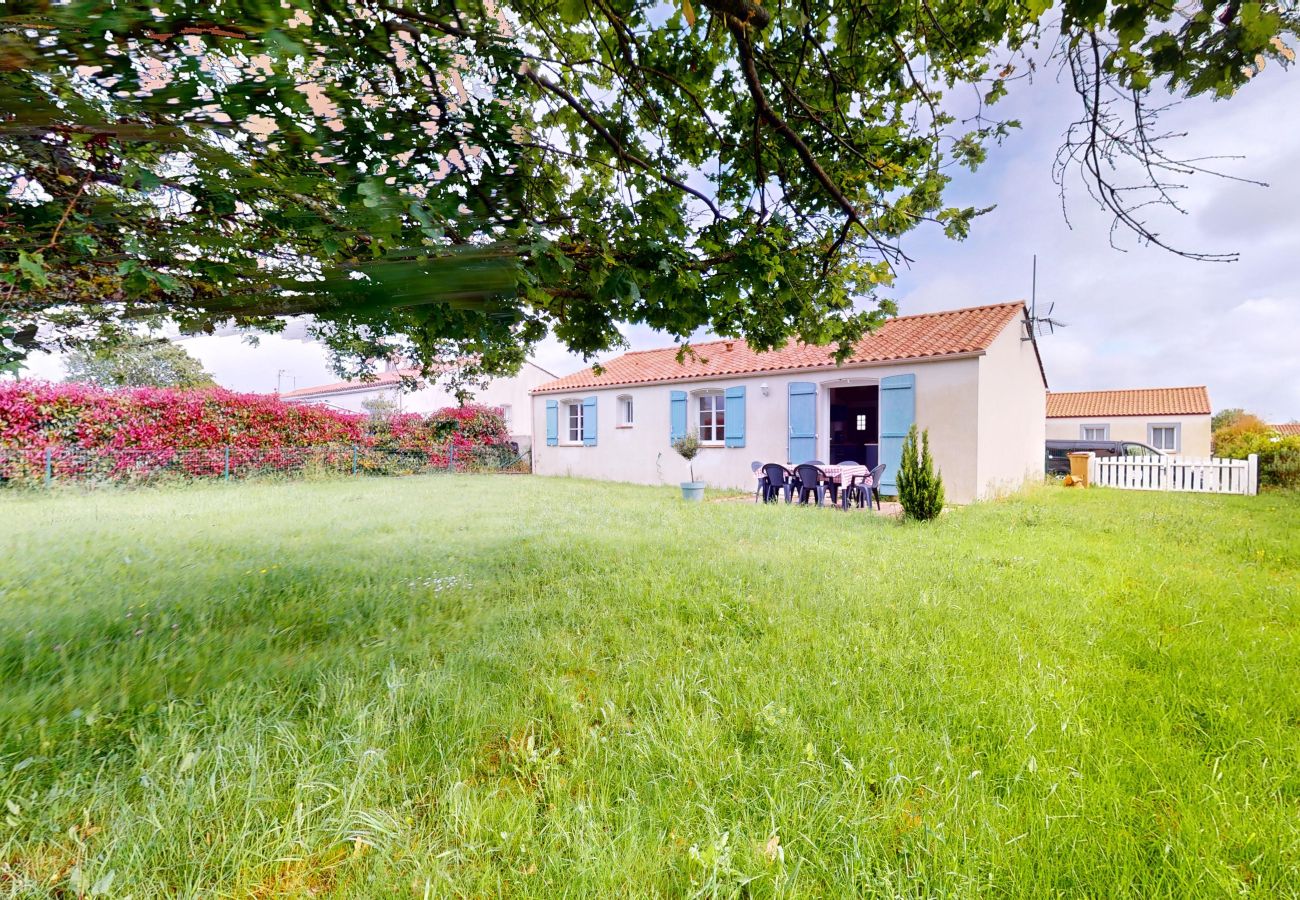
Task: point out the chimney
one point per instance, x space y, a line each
729 345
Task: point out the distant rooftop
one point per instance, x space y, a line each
386 378
1173 401
392 376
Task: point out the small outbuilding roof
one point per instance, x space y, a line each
1174 401
1287 429
928 335
381 379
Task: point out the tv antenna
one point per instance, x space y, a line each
1045 324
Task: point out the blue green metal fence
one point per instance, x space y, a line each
53 465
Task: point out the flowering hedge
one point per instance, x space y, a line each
142 430
452 433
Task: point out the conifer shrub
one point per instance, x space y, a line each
920 487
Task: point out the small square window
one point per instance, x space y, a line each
1096 432
862 422
625 413
1164 438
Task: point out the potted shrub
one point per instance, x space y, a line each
688 447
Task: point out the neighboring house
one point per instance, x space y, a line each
973 377
1287 429
1172 420
510 394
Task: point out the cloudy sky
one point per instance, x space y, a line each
1136 317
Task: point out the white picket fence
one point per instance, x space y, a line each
1209 475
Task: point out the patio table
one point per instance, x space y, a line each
843 475
840 474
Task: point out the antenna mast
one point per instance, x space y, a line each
1033 291
1046 324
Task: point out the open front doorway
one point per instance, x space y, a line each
855 424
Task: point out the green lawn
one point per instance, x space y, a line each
488 686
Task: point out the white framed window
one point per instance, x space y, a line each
861 422
1164 437
506 415
625 412
711 417
571 421
1094 432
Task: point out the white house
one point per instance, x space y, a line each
973 377
510 394
1172 420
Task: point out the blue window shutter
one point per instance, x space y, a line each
677 415
589 422
735 417
897 414
802 445
552 422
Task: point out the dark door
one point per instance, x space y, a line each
855 425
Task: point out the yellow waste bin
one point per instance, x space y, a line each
1079 467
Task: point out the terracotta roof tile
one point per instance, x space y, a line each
1287 429
922 336
1177 401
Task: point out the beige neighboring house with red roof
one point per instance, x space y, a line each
973 377
512 395
1174 420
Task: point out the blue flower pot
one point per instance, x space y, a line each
693 491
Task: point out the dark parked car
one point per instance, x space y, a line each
1058 452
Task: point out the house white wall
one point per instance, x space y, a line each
353 399
1194 431
948 403
1012 411
513 395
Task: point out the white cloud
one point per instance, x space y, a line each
275 360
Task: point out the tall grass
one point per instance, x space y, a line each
530 687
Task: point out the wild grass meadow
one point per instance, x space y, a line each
523 687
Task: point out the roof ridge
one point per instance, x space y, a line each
920 315
1176 387
963 309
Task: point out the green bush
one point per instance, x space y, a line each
1280 467
920 487
1279 457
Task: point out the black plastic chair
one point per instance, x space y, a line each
863 494
760 489
779 479
813 480
794 478
876 474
